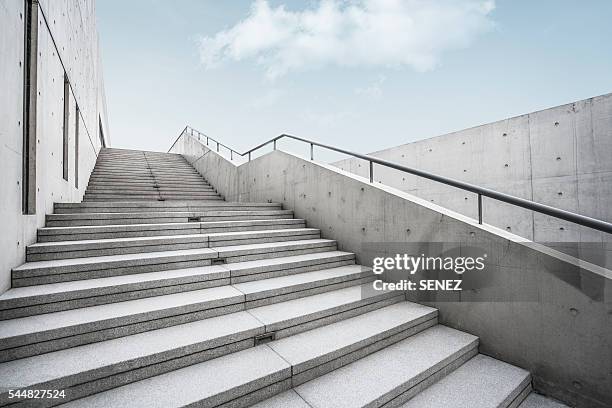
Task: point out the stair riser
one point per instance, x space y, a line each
134 233
65 274
159 220
69 300
130 248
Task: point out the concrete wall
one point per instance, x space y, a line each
559 156
543 310
67 42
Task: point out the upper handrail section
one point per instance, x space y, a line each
579 219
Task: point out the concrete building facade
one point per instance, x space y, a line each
53 118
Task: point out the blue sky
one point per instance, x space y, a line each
362 75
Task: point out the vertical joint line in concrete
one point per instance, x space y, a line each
30 89
65 129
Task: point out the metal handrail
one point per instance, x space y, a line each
480 191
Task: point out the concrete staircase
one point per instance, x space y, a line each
155 292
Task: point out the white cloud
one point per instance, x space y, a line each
374 90
370 33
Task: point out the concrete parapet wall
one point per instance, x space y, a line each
67 43
553 315
558 156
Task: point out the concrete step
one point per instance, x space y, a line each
53 297
138 166
310 352
109 178
148 191
34 335
539 401
140 206
394 374
151 195
481 382
56 234
62 270
45 251
148 198
147 182
153 217
164 198
147 172
168 187
243 378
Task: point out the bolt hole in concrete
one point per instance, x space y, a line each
574 311
556 123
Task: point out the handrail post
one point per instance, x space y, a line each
371 172
217 147
311 151
480 209
249 156
206 140
274 144
231 155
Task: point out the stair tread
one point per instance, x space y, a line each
326 341
277 313
227 294
386 373
481 382
46 367
99 284
287 399
57 320
114 242
276 284
165 214
128 227
36 265
534 400
228 250
211 380
231 250
64 363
